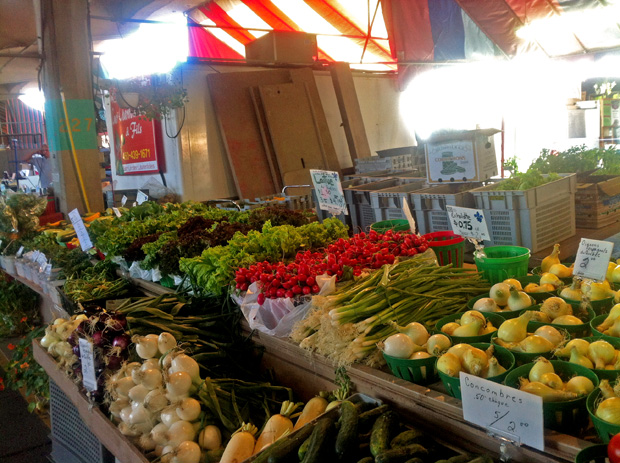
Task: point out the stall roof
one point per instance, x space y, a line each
381 34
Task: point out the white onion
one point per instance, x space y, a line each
189 409
150 363
128 368
169 416
124 414
146 443
117 406
49 339
550 333
166 360
187 364
180 431
158 433
159 449
179 383
63 349
186 452
139 415
166 342
486 304
127 430
167 453
146 346
210 438
176 399
437 344
155 400
138 393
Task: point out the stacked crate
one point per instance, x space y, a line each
597 201
388 203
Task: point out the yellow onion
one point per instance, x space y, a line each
534 344
610 271
609 410
572 292
555 307
534 288
449 364
516 284
552 380
518 300
614 330
597 291
579 359
419 355
601 353
551 259
459 350
548 394
581 345
437 343
580 385
550 279
514 329
561 271
567 320
539 316
472 316
488 329
486 304
541 366
468 330
613 315
495 369
500 292
615 274
606 389
449 328
475 361
550 333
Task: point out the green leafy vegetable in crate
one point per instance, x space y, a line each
578 159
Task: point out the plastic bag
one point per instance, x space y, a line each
276 317
156 189
136 272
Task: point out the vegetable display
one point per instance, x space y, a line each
544 382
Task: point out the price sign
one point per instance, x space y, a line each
116 211
123 200
592 259
505 411
329 191
20 251
141 197
80 230
409 216
134 204
87 359
469 223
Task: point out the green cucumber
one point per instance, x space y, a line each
346 439
410 436
286 447
401 454
301 453
320 448
381 430
369 417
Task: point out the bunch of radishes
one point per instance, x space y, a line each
152 401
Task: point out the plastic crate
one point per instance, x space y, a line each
72 441
389 202
431 214
597 201
535 218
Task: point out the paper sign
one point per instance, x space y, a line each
141 197
42 261
48 269
20 251
409 216
116 211
502 410
123 200
80 230
592 259
329 191
87 359
134 204
469 223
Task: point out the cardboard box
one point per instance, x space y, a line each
283 47
461 156
597 201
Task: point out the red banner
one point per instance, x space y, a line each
135 147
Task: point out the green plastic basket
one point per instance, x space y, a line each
504 314
395 225
418 371
575 331
523 358
594 454
604 429
494 318
448 247
538 297
610 375
503 356
503 262
596 321
568 416
569 280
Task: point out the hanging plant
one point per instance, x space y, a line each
151 97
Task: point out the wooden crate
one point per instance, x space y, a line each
597 201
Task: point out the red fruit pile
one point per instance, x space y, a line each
363 251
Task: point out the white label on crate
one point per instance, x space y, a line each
123 200
42 261
48 269
592 259
20 251
116 211
87 359
451 161
80 230
329 191
469 223
410 218
141 197
502 410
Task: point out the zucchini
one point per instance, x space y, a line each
401 454
381 430
285 449
346 439
410 436
320 448
301 452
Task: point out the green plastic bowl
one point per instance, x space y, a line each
522 358
596 321
504 314
567 416
494 318
395 225
538 297
593 454
503 356
501 262
600 307
610 375
575 331
418 371
604 429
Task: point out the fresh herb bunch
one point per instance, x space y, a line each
19 308
578 159
19 214
23 371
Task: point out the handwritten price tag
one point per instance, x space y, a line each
592 259
505 411
141 197
80 230
469 223
87 359
20 251
116 211
329 191
123 200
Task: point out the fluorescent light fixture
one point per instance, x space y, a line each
33 97
153 49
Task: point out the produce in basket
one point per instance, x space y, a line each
544 382
609 408
551 259
611 324
513 335
472 323
600 354
469 359
507 297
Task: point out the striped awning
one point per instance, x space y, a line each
24 124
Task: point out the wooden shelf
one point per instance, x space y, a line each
147 287
109 436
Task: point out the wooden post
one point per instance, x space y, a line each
66 67
350 110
